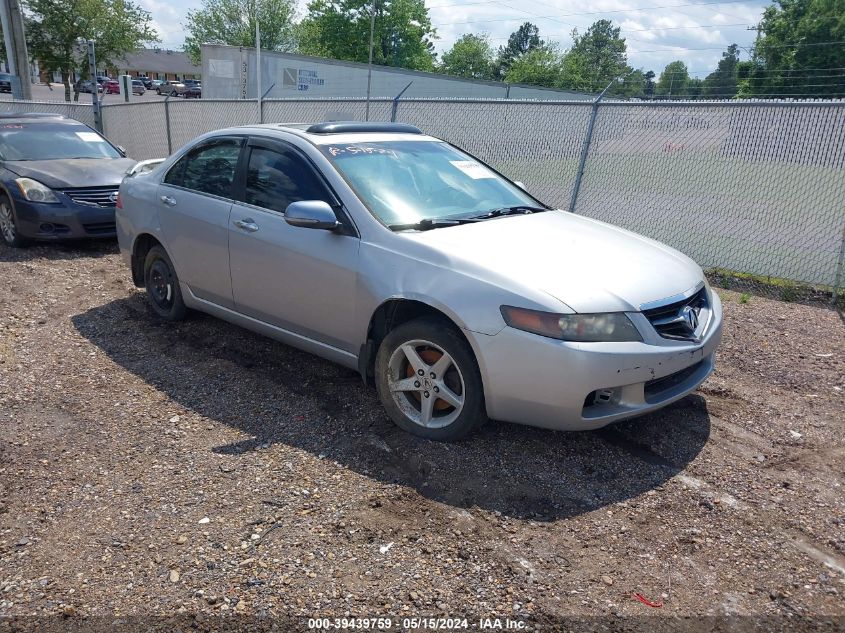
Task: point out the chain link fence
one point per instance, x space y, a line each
753 191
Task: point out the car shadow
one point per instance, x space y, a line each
276 394
70 249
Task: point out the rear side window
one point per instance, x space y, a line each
275 178
209 168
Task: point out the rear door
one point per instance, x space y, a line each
194 201
303 280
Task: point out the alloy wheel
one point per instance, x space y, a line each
426 384
7 223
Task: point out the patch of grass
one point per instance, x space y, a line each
789 293
744 297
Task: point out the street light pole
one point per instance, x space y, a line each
370 61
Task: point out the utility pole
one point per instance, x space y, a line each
95 97
258 67
370 61
15 41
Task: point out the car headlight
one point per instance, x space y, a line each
584 328
34 191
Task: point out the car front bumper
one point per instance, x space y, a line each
64 221
562 385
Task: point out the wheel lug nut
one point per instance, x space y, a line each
416 383
437 390
420 372
432 375
425 394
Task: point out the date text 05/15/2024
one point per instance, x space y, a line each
417 624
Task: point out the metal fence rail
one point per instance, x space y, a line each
752 190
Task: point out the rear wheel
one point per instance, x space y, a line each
162 285
8 226
428 380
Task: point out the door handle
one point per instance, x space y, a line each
169 201
247 224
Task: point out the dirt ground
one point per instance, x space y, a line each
195 468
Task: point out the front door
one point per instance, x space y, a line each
300 279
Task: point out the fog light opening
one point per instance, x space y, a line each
599 397
46 227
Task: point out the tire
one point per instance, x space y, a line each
162 285
411 399
8 225
173 93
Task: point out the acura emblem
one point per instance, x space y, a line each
690 318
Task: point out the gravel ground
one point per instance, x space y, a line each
195 468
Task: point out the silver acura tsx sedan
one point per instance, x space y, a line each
457 293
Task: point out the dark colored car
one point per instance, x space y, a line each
148 83
58 180
193 92
89 86
5 82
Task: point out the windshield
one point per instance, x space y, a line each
414 180
46 141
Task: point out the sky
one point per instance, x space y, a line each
656 31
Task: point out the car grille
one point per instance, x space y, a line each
100 228
668 319
655 387
93 196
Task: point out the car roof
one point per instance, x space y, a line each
330 132
32 117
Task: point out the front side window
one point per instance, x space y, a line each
277 178
209 168
49 141
414 180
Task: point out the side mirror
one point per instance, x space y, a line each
144 166
520 184
122 150
311 214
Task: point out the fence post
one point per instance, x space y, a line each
840 269
395 106
586 147
167 124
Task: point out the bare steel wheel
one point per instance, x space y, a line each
8 227
162 285
428 380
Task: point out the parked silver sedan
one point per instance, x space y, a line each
457 293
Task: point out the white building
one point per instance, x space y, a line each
228 72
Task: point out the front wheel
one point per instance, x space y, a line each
8 226
428 380
162 285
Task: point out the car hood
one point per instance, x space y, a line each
586 264
73 172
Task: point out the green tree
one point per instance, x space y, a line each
597 57
723 82
524 40
541 66
674 80
54 29
649 83
799 42
471 56
232 22
341 29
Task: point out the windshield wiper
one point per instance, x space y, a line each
520 209
430 223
